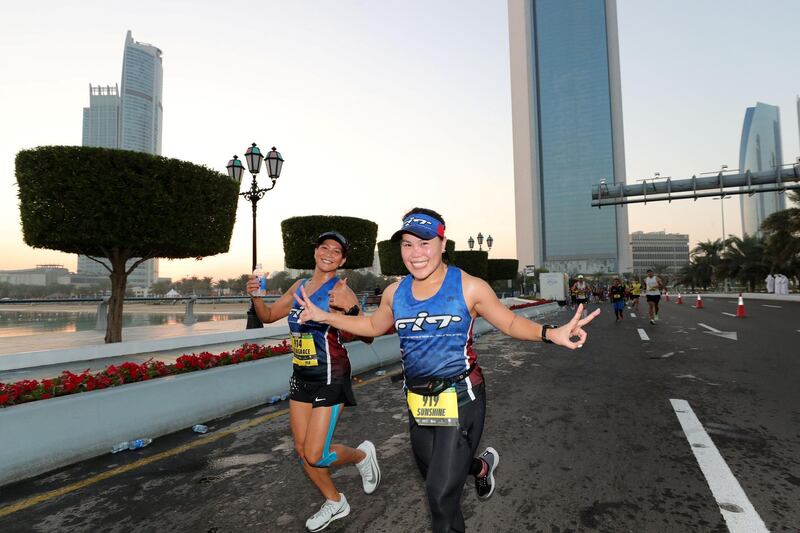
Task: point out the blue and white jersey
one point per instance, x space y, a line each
319 355
436 334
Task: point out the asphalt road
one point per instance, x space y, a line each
588 441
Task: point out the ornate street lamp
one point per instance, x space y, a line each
235 168
489 242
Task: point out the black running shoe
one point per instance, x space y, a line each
484 485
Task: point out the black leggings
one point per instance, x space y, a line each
445 456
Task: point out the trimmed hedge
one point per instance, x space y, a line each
88 200
499 269
392 261
473 262
300 235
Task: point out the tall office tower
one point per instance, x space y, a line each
137 120
141 110
760 150
101 118
567 125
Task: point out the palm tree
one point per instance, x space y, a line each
746 260
782 234
704 261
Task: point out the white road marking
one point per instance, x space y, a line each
670 354
633 315
772 306
725 334
736 509
643 334
730 314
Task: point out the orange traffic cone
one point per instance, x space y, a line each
699 304
667 297
680 300
740 308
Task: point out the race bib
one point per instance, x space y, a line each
440 410
305 353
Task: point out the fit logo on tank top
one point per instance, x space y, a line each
422 318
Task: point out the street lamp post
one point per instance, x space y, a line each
235 168
489 242
726 287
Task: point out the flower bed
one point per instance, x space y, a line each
29 390
529 304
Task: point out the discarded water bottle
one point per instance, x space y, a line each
122 446
200 428
262 281
274 399
380 372
138 443
284 396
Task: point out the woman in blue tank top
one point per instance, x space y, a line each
320 385
433 310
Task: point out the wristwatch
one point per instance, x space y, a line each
545 327
353 311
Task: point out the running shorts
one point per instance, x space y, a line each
321 394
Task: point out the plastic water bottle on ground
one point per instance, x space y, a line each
122 446
274 399
285 396
200 428
262 281
138 443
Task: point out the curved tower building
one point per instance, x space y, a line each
141 109
760 150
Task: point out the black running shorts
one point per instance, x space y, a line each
653 297
321 394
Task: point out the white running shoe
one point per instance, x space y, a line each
368 467
329 512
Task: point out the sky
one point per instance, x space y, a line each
378 107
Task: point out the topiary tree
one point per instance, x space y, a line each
473 262
499 269
392 261
122 205
300 235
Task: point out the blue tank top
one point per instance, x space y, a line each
436 334
319 355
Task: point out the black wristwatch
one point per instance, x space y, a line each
353 311
545 327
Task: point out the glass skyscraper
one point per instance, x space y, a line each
141 110
101 118
567 122
760 151
129 119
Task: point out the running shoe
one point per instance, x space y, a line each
329 512
656 317
484 485
652 321
368 467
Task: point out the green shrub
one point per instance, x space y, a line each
472 262
300 236
499 269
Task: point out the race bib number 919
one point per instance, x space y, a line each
440 410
